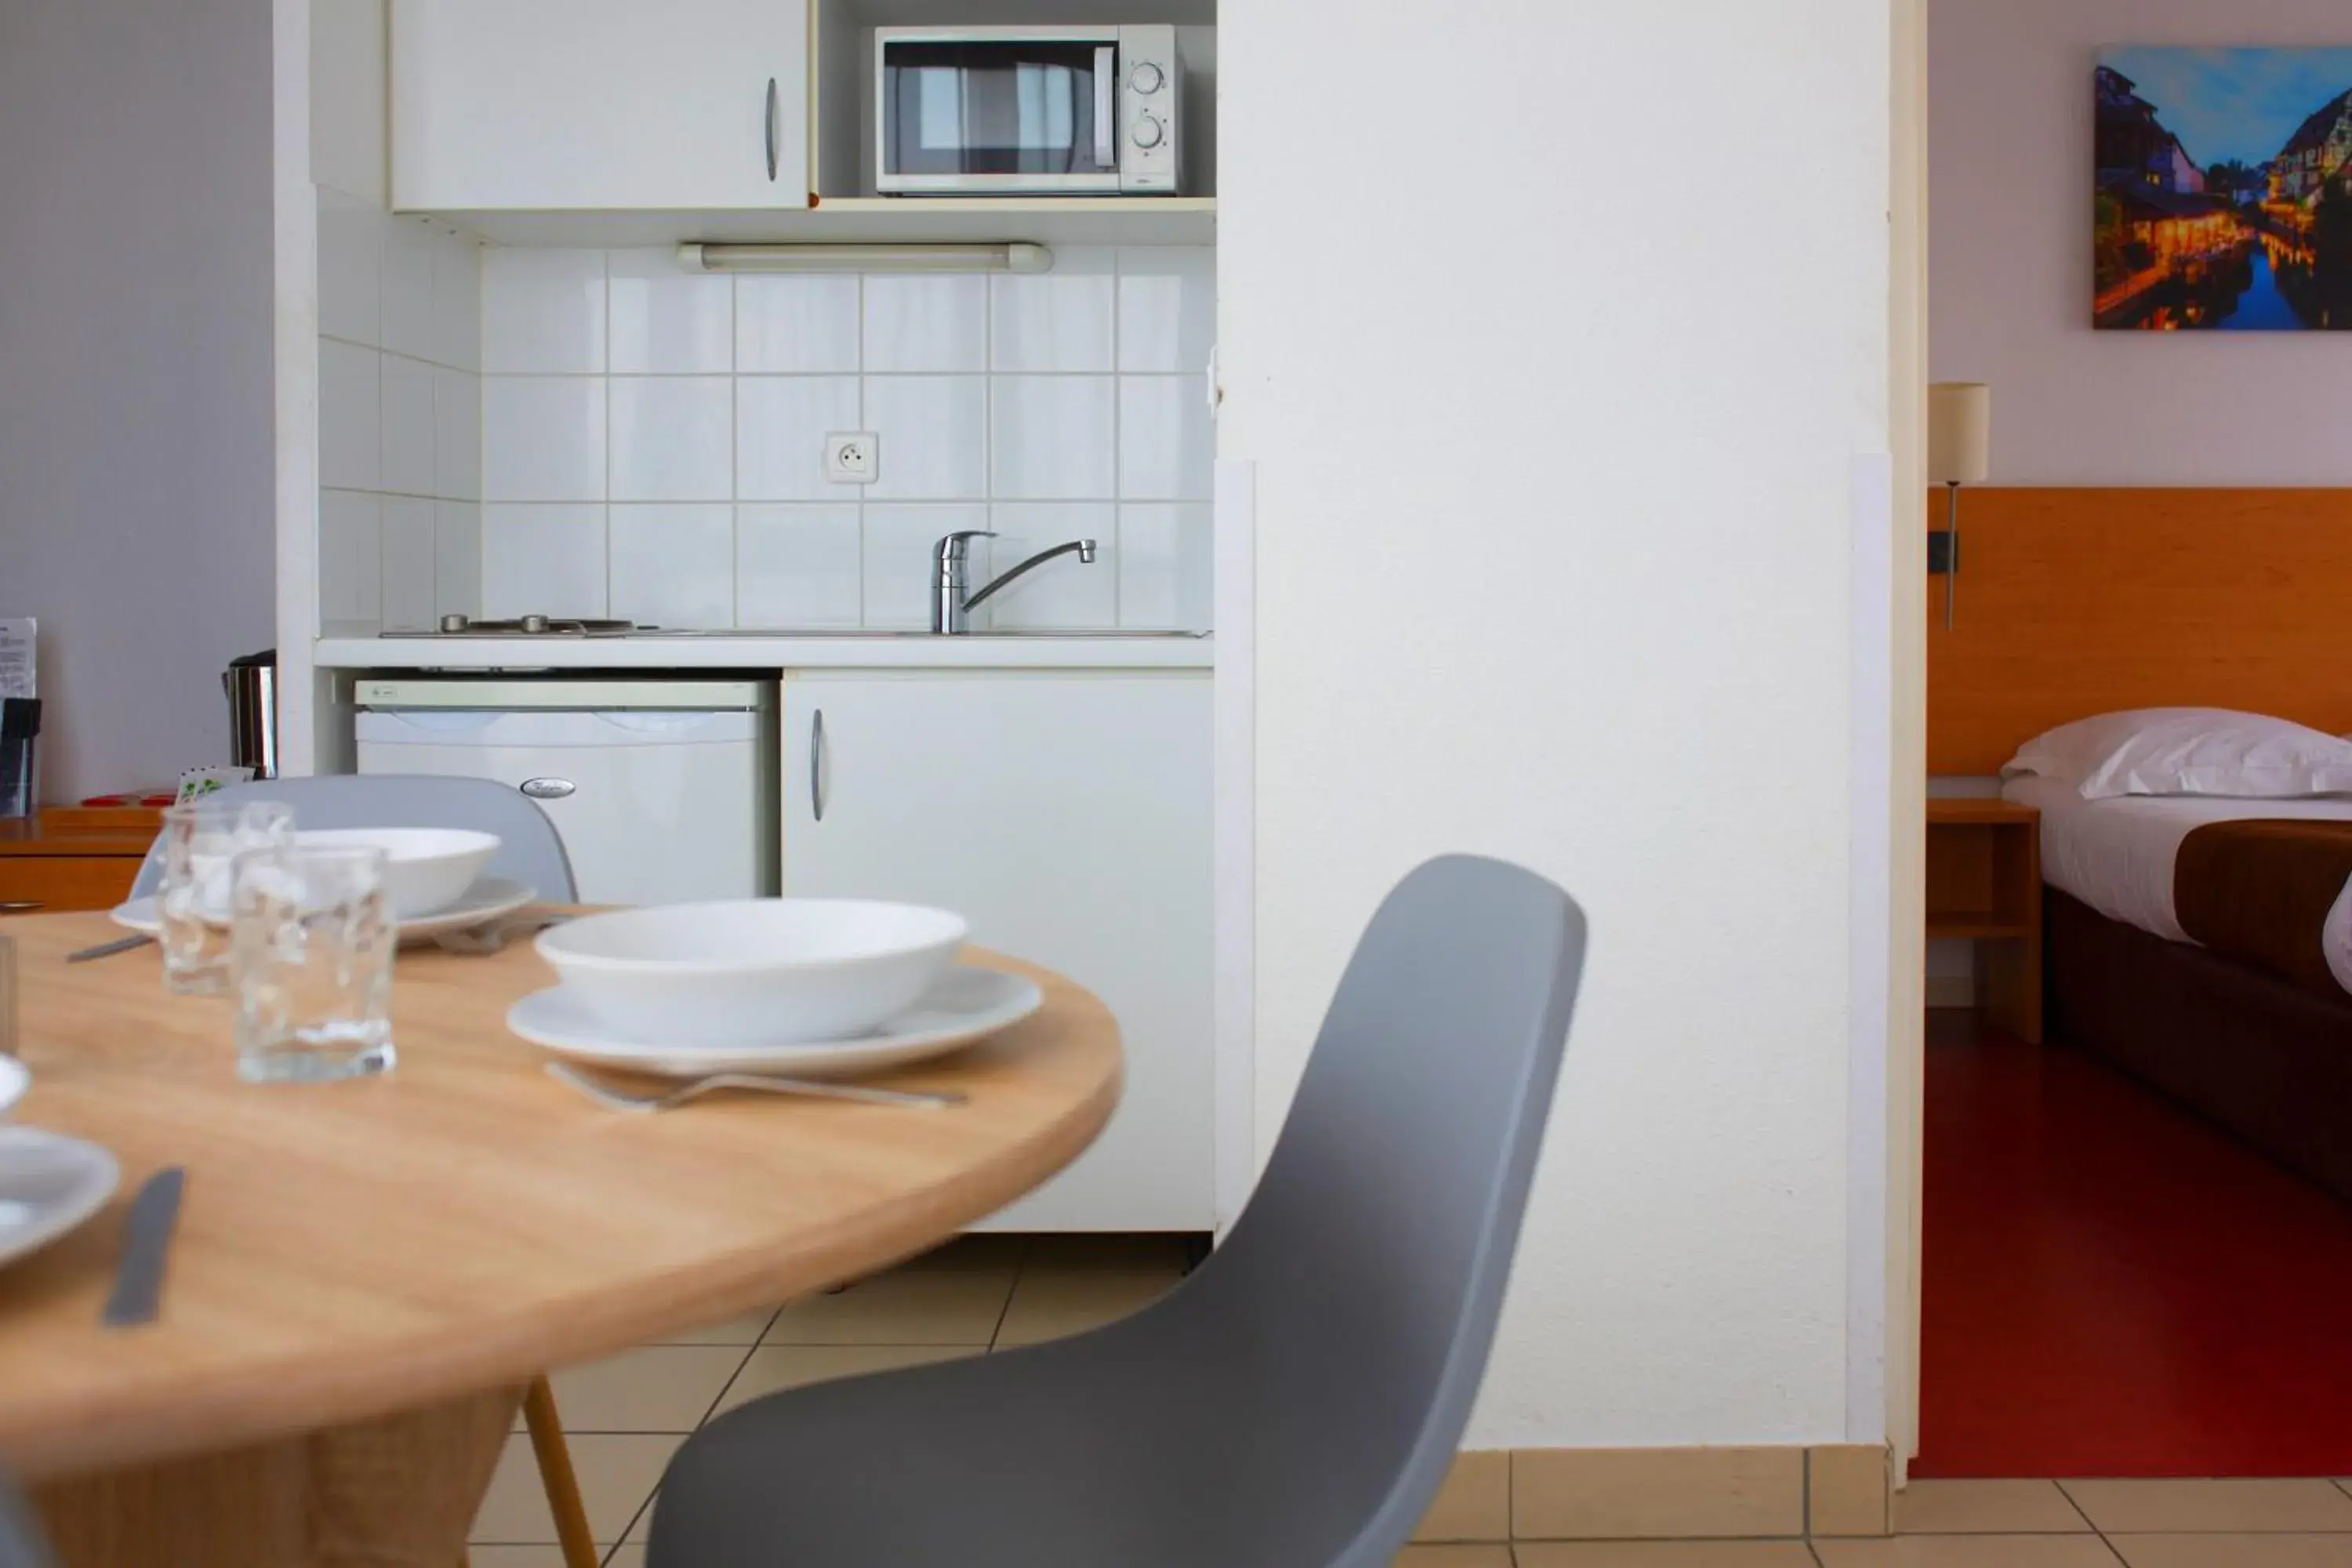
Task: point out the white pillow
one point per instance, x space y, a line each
2189 751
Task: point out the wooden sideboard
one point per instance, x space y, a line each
73 857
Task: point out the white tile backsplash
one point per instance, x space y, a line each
781 424
1053 437
934 436
697 408
542 311
456 434
409 427
410 566
1065 592
1167 441
1164 565
797 566
351 421
898 560
1058 321
351 564
1167 308
458 557
350 267
672 438
543 438
673 565
400 415
796 325
666 320
926 323
410 247
544 560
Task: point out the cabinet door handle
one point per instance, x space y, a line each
816 763
22 907
773 111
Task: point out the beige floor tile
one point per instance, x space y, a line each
657 1388
744 1330
1107 1254
1052 1306
1969 1552
515 1556
2152 1507
944 1305
1664 1554
616 1473
1455 1556
2235 1550
632 1555
774 1368
1985 1508
1475 1503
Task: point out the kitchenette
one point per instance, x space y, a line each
778 439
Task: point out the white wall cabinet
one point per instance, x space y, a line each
523 105
1067 816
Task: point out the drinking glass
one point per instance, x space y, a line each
310 945
200 839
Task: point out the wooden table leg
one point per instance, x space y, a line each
398 1492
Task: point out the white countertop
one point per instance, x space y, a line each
766 651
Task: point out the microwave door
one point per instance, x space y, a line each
972 116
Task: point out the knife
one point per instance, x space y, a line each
109 949
146 1242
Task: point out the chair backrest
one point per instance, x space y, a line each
529 851
20 1533
1359 1292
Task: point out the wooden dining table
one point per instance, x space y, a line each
367 1273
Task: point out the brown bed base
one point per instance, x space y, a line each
2253 1055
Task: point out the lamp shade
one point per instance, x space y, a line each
1959 433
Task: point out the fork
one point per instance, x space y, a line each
621 1099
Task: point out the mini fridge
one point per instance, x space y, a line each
664 791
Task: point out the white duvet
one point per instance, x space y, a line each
2117 856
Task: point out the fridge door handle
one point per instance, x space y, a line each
816 764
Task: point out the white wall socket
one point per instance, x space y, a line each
853 457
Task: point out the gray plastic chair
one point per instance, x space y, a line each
1296 1402
20 1534
530 850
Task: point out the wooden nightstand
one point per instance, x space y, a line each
73 857
1984 884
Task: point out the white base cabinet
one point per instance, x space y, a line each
1067 816
528 105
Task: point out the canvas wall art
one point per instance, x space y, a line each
2224 193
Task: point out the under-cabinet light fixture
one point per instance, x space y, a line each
1010 257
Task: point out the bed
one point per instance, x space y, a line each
2076 602
2245 1044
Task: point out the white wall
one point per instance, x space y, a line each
136 414
1554 482
2010 146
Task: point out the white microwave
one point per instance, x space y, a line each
1027 110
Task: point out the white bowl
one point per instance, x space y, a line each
777 971
425 868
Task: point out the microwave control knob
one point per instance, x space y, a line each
1147 77
1148 130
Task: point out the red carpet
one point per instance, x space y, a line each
2112 1289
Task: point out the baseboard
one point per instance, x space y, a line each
1642 1494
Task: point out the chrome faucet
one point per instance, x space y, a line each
950 609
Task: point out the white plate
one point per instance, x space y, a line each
968 1004
14 1080
484 901
48 1184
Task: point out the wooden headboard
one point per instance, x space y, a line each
2075 601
